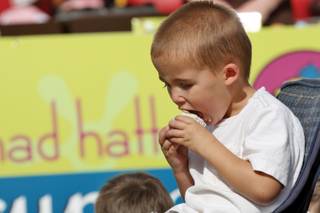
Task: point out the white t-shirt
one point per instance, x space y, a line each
267 134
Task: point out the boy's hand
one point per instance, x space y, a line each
187 132
176 155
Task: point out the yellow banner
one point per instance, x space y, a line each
93 102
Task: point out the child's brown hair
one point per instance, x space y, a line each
203 34
134 193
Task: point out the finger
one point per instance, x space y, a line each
166 145
168 148
172 149
175 146
162 135
176 124
177 140
163 130
174 133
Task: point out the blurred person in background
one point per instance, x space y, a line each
272 11
23 12
277 11
304 10
315 8
72 5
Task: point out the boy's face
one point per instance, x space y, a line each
202 92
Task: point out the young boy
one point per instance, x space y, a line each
134 193
248 157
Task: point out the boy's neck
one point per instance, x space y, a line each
241 93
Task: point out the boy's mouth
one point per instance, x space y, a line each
206 119
199 114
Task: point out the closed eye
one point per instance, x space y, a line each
185 85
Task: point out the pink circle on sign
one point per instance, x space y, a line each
288 66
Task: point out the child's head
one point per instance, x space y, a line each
133 192
202 34
202 37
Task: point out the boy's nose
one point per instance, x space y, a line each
177 98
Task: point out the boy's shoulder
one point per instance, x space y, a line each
263 100
263 106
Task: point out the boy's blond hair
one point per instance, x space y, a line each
134 193
203 34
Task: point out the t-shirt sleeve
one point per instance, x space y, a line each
267 146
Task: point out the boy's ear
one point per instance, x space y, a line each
231 73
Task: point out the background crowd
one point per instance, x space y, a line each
42 11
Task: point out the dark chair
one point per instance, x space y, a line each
303 98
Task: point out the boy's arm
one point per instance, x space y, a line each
177 157
184 181
238 173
